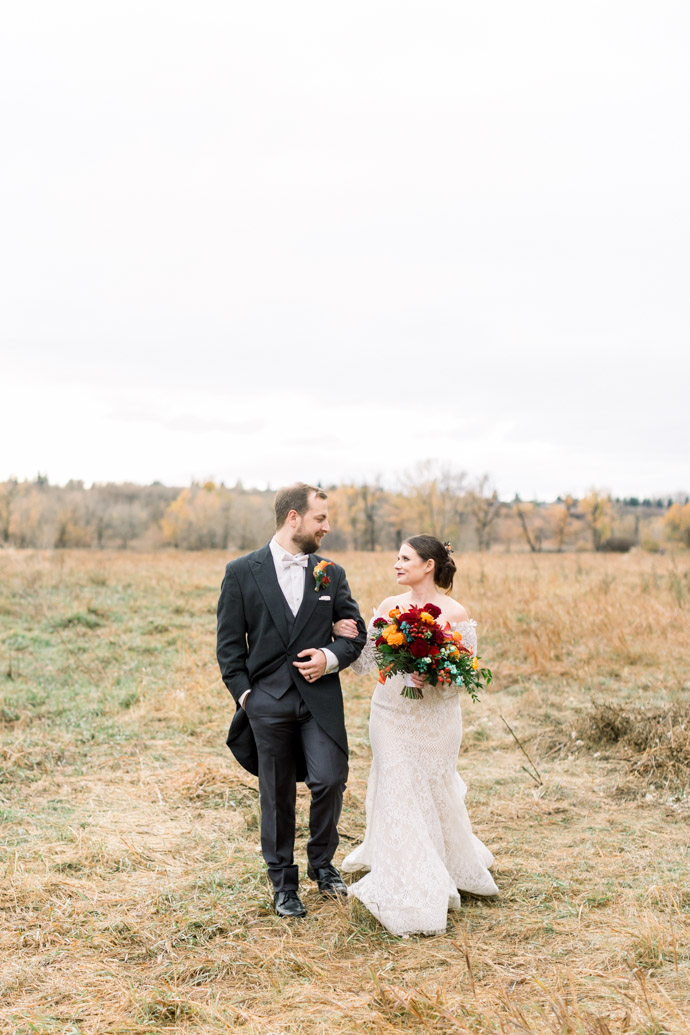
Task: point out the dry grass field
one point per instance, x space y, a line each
133 893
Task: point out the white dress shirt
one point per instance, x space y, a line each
291 581
290 575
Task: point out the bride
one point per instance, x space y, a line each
419 849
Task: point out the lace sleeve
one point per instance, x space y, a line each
468 631
366 661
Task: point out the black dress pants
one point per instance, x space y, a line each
279 727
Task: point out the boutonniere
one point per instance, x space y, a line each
320 576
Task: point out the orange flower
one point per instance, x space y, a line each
395 613
457 637
393 636
475 663
426 617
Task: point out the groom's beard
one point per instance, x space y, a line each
307 543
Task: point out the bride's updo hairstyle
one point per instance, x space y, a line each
430 548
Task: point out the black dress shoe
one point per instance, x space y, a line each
329 880
288 903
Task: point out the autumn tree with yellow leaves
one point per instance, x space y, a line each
677 523
597 509
199 519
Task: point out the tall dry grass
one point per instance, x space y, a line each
133 893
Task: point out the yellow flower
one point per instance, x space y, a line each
426 617
393 637
475 663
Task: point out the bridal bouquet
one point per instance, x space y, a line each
413 641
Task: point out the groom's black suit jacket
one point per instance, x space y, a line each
254 640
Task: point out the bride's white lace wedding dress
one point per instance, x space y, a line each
419 847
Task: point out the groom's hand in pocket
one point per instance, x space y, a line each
314 664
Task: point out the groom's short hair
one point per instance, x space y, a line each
294 497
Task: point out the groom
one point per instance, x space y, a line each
280 661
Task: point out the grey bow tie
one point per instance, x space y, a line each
299 558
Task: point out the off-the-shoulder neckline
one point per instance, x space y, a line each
453 625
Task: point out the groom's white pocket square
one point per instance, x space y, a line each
324 598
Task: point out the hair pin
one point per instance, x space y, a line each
449 548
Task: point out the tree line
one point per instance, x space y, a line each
364 516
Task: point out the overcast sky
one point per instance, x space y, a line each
272 241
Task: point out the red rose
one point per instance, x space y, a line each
380 640
432 610
418 649
325 581
379 622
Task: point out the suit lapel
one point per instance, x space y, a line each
264 572
309 600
